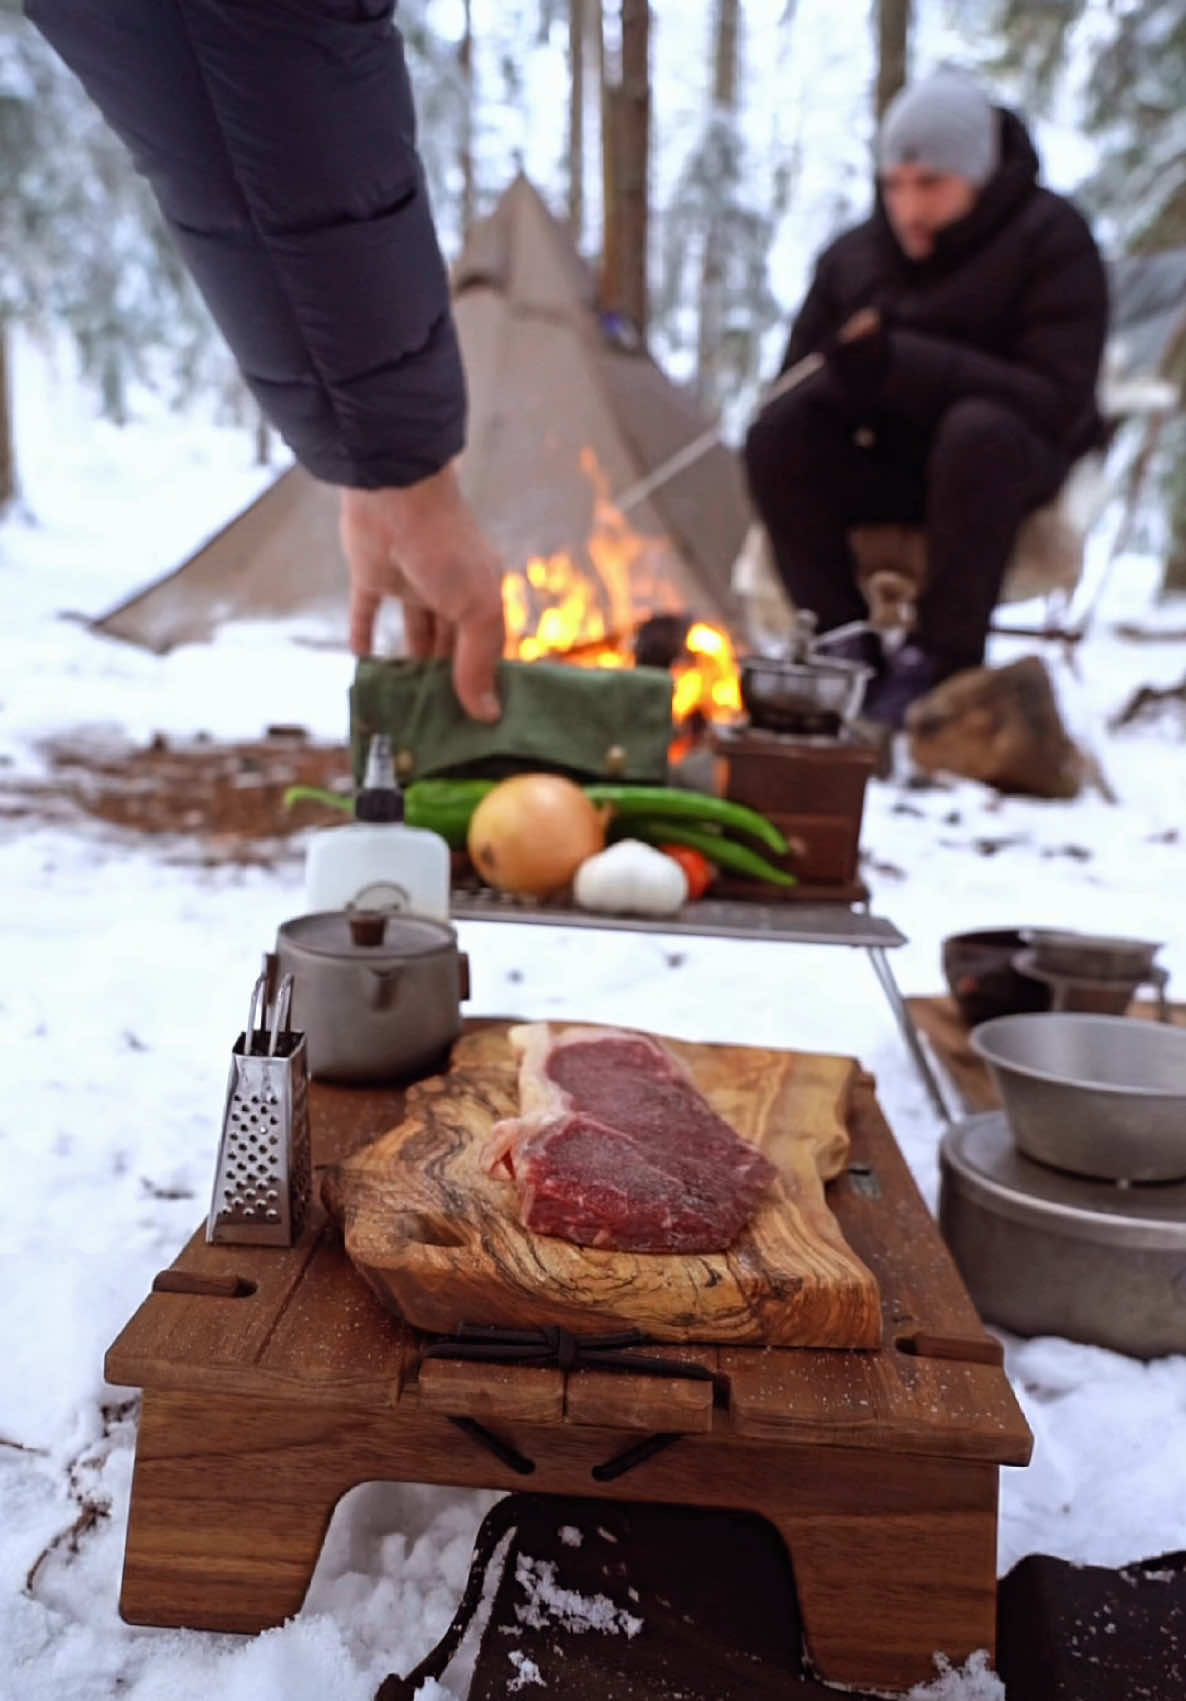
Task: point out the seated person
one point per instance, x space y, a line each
962 327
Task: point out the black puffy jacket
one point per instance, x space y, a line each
279 138
1011 306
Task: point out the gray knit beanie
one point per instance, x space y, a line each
946 122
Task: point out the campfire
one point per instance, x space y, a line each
594 615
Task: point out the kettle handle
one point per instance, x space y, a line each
463 980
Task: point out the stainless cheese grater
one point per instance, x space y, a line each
264 1173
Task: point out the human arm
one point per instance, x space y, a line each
279 139
817 321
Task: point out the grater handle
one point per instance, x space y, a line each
271 968
257 1014
282 1017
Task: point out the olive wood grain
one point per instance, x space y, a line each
439 1238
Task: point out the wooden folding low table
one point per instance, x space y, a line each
274 1381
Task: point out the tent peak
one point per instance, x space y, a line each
525 253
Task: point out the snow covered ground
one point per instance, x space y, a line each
125 971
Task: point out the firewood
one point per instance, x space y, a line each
1000 726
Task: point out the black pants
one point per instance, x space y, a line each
970 483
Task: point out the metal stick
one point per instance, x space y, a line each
699 446
885 974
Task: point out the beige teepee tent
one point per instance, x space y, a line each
557 408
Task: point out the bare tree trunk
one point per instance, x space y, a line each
712 278
9 486
1173 367
465 58
726 58
611 209
576 119
625 154
1173 576
634 131
893 49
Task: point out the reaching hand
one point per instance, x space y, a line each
423 545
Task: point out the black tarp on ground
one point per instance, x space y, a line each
1086 1633
618 1601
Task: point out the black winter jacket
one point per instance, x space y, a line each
279 137
1011 306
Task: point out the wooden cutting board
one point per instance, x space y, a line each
437 1236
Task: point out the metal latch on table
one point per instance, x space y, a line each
863 1178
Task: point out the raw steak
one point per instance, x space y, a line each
615 1147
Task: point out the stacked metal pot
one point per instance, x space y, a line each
1066 1210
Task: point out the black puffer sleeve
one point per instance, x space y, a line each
279 138
818 319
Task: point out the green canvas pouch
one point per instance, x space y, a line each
591 723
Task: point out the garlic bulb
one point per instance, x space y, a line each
632 879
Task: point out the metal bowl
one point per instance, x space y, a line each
982 975
803 697
1091 956
1102 1096
1071 992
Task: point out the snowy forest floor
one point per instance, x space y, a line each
127 960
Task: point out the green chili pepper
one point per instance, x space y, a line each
657 802
315 794
739 859
445 806
441 806
447 793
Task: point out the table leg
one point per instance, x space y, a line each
893 1554
894 1563
218 1538
885 974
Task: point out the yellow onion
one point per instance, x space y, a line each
532 832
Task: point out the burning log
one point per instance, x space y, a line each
612 650
617 605
662 640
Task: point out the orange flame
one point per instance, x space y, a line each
554 607
708 683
